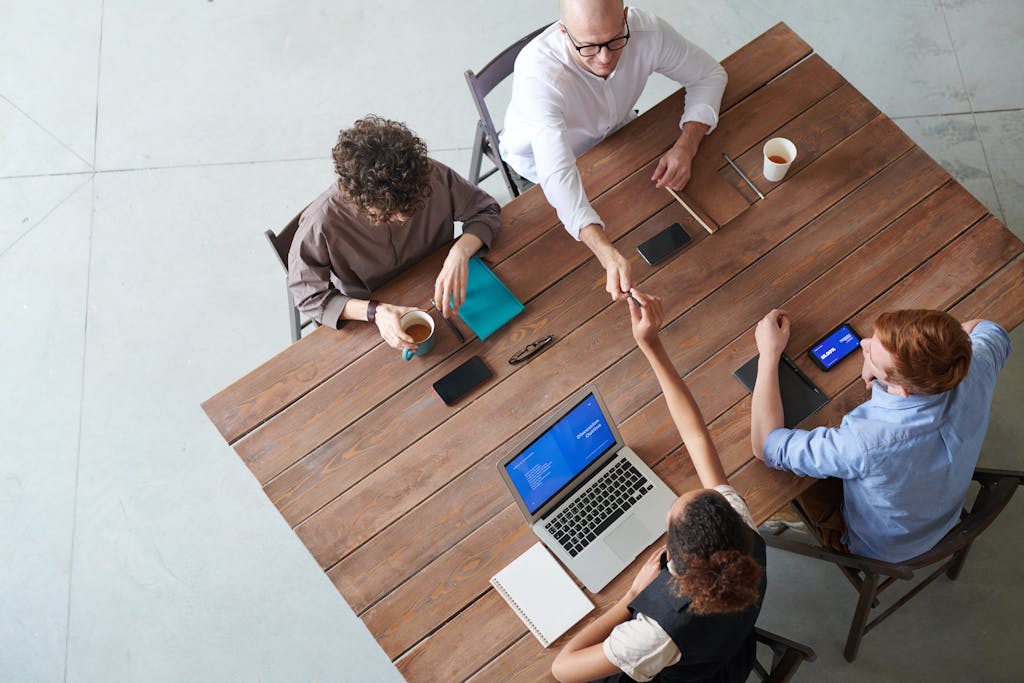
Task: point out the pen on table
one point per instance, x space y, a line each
689 210
742 175
800 373
450 324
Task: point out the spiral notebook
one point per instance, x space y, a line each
542 594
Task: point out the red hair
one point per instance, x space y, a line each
931 351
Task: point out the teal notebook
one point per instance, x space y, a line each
489 304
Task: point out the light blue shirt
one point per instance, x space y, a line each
905 463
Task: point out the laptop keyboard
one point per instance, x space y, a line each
600 504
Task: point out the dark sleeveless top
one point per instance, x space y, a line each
716 648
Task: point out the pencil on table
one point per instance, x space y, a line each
690 211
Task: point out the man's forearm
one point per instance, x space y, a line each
766 404
593 236
690 136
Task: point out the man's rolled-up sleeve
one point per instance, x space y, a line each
820 453
698 72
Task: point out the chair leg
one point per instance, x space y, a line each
293 319
867 596
478 154
958 563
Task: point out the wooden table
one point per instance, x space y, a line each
396 495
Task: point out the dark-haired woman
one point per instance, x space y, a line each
689 614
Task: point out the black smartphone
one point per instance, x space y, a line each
834 346
662 245
462 380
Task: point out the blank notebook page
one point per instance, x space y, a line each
542 594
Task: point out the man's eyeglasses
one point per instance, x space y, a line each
591 49
531 350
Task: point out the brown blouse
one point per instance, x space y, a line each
338 253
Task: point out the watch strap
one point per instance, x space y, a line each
371 310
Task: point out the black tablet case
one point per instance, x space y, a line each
800 396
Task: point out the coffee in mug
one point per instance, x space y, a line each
419 333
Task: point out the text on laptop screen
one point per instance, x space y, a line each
560 453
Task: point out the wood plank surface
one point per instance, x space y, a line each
396 495
239 408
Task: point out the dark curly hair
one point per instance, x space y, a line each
713 544
382 167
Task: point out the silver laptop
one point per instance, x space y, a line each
589 498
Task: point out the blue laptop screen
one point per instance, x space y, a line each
550 462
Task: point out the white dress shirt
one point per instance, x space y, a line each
560 110
640 647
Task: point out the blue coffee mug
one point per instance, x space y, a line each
417 324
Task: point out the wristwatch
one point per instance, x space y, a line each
371 310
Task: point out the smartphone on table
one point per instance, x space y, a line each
834 346
462 380
664 244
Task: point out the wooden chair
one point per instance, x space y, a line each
787 656
870 577
282 243
486 141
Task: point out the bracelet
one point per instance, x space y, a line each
371 310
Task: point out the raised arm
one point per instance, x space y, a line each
646 321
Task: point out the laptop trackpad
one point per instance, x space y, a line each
629 538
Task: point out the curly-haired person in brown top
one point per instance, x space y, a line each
391 206
689 614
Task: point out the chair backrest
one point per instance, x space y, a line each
497 70
480 85
787 656
282 241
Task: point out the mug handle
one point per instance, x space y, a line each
407 354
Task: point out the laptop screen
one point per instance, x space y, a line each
551 461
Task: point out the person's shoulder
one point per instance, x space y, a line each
737 503
318 212
643 21
541 62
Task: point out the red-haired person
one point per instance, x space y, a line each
896 471
689 614
390 206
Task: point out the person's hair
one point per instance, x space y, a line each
382 168
710 546
930 350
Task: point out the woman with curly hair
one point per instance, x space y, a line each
689 614
391 206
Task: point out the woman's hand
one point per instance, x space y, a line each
388 320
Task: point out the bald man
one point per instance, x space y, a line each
578 82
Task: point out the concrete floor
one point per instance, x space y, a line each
144 146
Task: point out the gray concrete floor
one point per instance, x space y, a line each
144 146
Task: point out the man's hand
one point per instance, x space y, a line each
646 320
772 333
617 277
649 571
673 169
388 321
674 166
450 286
618 280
